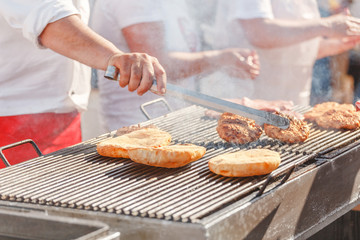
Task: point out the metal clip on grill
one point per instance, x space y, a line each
13 145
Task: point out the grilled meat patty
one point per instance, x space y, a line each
321 108
339 119
334 115
298 130
237 129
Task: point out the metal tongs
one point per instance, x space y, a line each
213 103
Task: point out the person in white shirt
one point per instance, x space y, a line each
163 29
42 88
288 36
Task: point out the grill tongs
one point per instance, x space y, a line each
213 103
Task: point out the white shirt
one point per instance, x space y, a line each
34 79
285 72
119 107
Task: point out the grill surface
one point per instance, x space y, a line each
77 177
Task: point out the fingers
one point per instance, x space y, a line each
240 63
160 77
357 105
346 11
250 64
152 70
147 79
137 71
255 65
342 25
135 76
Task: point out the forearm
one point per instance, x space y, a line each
184 64
331 47
72 38
271 33
150 38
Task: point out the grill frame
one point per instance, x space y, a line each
216 222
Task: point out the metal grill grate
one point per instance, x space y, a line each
77 177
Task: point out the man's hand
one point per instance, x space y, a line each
240 63
70 37
334 46
138 70
357 105
341 25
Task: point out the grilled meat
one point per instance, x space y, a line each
334 115
298 130
320 109
237 129
339 119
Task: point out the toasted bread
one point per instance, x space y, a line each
118 147
173 156
245 163
125 130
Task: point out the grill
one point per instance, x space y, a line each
315 183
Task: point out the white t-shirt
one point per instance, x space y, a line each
286 71
34 79
119 107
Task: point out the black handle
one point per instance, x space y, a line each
2 156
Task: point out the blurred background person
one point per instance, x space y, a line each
288 36
321 86
354 55
165 30
42 92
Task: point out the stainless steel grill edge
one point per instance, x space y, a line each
145 202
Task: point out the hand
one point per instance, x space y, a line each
334 46
240 63
341 25
137 71
357 105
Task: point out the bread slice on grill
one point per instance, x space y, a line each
245 163
118 147
129 129
173 156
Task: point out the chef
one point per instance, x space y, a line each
41 91
288 36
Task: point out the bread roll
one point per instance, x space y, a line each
245 163
118 147
173 156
